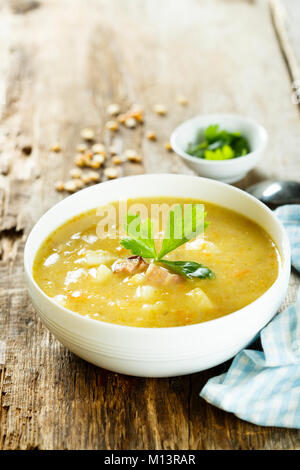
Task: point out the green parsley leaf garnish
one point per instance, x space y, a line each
140 239
219 145
189 269
182 226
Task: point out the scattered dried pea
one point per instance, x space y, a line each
132 156
130 122
112 126
168 147
122 118
56 148
181 99
97 161
75 173
93 176
111 173
160 109
151 135
87 134
98 148
78 183
79 160
136 112
116 160
87 158
81 148
113 109
86 179
112 150
70 186
59 186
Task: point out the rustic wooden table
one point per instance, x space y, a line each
62 63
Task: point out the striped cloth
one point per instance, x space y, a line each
290 217
263 387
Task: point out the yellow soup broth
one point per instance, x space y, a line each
74 267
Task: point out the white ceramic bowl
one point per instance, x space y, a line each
158 352
227 171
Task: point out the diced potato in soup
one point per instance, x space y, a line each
103 273
146 292
200 299
96 257
98 278
203 245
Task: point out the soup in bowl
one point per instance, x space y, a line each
157 275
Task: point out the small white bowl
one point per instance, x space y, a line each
228 171
158 352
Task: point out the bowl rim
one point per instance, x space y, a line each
284 262
232 161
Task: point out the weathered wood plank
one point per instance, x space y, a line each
62 66
286 15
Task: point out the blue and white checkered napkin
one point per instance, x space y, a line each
263 387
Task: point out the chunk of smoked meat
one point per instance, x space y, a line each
132 265
161 276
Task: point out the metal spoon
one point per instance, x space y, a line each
276 192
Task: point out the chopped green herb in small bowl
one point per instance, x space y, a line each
220 146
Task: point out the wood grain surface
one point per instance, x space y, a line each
62 63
